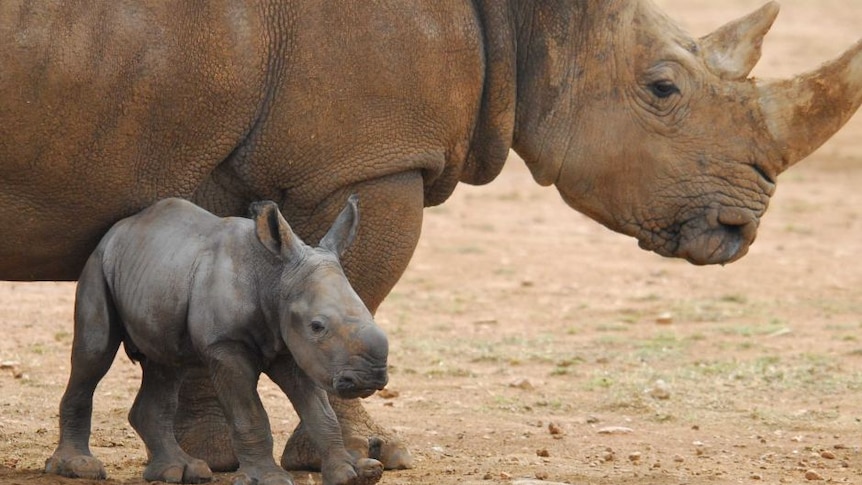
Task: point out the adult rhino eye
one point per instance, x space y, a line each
317 326
663 89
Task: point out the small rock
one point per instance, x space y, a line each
542 475
505 476
555 429
592 419
813 475
387 393
756 476
664 318
615 430
608 456
678 458
522 383
660 390
544 453
827 454
634 457
14 367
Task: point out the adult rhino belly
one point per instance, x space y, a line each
109 107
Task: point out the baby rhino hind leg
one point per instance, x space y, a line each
152 416
95 344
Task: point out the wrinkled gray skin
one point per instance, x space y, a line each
180 287
107 107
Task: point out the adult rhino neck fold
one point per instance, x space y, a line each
495 126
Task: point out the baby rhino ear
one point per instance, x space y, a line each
343 230
273 231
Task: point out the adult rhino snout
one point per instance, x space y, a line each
723 236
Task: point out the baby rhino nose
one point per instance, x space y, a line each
351 383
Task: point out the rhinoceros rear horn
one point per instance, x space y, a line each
343 230
272 230
803 112
732 51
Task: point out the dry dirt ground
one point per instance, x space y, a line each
529 342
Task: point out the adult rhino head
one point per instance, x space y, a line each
662 136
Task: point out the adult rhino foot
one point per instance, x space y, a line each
76 466
363 438
368 471
200 425
189 470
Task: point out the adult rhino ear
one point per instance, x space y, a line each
732 51
273 231
343 230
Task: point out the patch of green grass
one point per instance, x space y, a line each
613 327
734 298
62 336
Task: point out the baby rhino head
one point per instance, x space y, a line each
326 326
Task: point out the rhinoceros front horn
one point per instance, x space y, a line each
803 112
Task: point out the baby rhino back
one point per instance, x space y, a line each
152 262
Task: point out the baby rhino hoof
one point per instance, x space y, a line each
191 471
80 466
276 478
366 471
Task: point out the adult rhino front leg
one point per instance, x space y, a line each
390 224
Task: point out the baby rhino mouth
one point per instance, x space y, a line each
359 383
719 235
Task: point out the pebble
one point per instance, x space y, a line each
634 457
522 383
531 481
664 318
660 390
544 453
14 367
615 430
555 429
813 475
387 393
827 454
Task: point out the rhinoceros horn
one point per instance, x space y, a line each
732 51
803 112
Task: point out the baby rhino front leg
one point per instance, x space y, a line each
338 467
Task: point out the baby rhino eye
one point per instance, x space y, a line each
317 326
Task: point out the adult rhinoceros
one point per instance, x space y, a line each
106 107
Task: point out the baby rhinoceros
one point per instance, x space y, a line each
183 288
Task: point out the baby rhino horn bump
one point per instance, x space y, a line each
272 230
803 112
343 230
732 51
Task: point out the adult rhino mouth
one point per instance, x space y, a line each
719 235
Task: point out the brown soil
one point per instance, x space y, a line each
529 342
